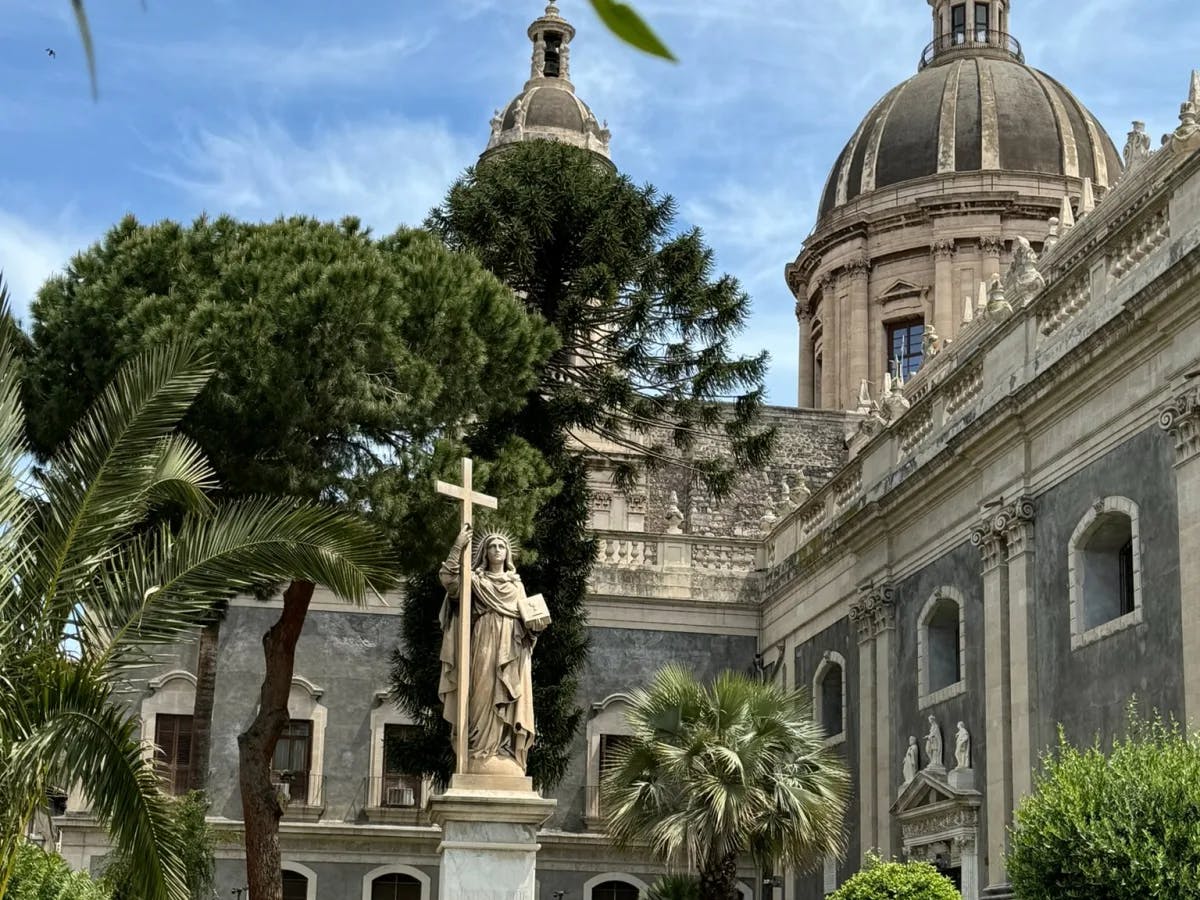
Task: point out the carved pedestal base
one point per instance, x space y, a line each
489 837
961 779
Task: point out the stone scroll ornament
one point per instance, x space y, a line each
488 619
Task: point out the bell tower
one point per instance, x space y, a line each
970 27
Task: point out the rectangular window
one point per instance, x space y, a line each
173 736
958 23
399 788
293 758
981 22
904 346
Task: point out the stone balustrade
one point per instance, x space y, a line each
669 566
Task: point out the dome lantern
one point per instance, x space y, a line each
547 107
970 28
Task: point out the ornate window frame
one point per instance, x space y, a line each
384 713
607 717
395 869
288 866
304 702
925 697
829 659
1080 636
170 694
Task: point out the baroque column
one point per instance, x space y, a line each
1022 603
943 288
829 343
804 397
873 613
858 272
1181 419
989 537
990 248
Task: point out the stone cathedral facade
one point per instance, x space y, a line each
982 522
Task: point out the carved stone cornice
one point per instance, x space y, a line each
1181 419
943 249
874 611
991 245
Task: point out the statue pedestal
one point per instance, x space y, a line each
961 779
489 837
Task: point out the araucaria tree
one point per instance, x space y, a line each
644 364
347 370
712 772
111 548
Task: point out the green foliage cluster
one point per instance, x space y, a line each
674 887
199 864
879 880
39 875
1112 826
712 772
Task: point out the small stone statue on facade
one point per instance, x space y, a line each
933 745
539 57
912 760
930 344
519 114
1023 280
1137 145
962 747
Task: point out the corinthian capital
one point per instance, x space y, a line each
943 249
991 245
1181 419
858 265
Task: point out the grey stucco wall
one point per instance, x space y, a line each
344 653
622 659
341 880
959 569
841 638
1087 690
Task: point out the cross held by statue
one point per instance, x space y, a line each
468 499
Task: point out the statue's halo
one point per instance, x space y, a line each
480 541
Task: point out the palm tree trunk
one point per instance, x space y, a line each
202 710
718 879
261 811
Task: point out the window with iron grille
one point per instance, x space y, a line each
293 758
400 788
173 736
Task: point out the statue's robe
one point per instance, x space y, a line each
500 698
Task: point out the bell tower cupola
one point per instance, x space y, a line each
548 109
970 28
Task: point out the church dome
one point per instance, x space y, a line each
547 107
972 107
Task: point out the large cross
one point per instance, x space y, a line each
468 499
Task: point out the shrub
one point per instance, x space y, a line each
1112 826
39 875
880 880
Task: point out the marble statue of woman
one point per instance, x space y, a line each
933 744
500 727
962 747
912 760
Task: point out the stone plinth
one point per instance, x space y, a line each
489 837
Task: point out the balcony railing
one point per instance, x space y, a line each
393 799
303 790
973 39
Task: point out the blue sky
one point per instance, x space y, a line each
372 108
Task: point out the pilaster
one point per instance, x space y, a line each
885 627
805 396
873 614
1181 420
989 537
990 248
1017 521
943 288
858 276
829 342
862 615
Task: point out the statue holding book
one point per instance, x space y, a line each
505 623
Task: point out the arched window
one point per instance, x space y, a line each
395 886
1104 571
615 890
829 695
395 882
941 648
606 730
613 886
299 882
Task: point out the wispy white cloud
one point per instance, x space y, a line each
30 253
388 171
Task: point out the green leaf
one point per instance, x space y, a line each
623 21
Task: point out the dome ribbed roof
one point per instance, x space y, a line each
549 106
970 114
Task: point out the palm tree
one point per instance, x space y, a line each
673 887
714 772
113 548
